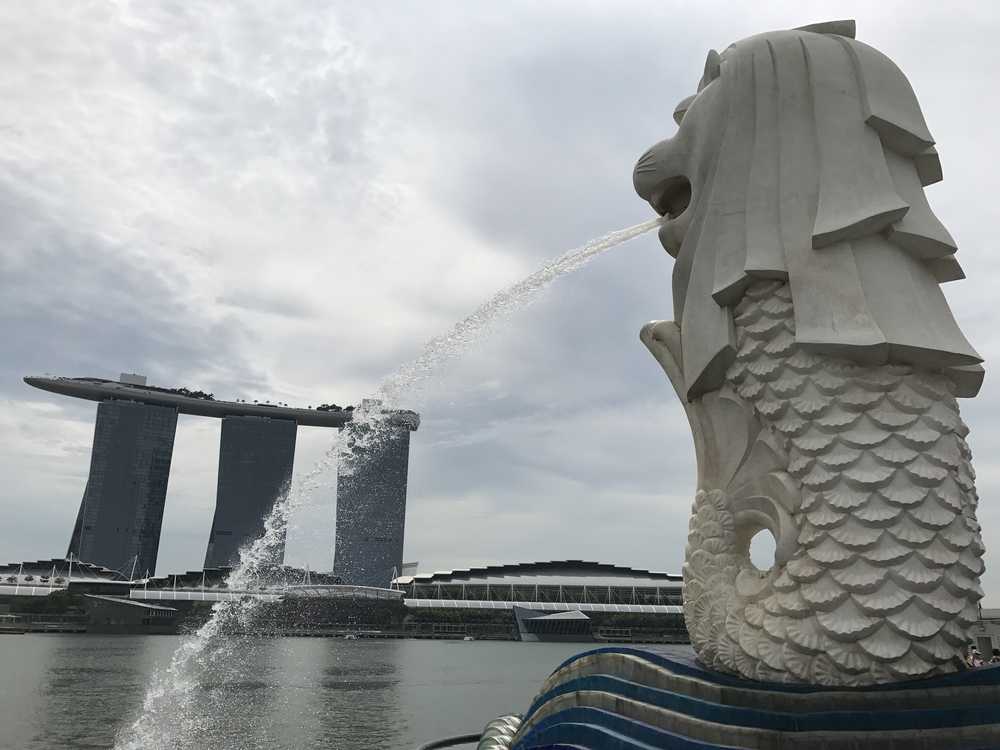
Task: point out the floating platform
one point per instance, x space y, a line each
638 699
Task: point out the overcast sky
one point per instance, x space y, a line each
284 200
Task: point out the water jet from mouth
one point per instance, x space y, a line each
175 706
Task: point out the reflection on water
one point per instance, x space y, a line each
61 691
362 703
75 691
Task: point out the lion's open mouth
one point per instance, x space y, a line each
673 198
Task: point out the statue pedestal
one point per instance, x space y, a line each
632 698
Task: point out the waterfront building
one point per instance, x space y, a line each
552 585
63 595
371 502
255 469
572 626
44 577
592 601
118 523
985 633
557 600
116 615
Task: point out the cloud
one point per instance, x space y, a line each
268 304
285 200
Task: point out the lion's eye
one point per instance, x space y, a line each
713 69
681 108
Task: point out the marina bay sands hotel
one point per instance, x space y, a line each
118 524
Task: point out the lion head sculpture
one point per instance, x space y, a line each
803 156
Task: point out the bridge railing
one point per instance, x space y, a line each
273 594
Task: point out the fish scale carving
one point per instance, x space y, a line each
881 550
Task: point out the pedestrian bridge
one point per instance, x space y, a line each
307 591
540 606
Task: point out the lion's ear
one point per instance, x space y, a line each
713 69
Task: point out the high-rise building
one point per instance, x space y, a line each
256 455
371 502
118 524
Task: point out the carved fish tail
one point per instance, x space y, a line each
883 582
711 566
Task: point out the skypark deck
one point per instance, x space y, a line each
98 389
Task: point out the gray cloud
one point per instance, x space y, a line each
267 304
285 201
82 302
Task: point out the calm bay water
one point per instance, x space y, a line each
75 691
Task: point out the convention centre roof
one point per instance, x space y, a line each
43 577
60 568
551 573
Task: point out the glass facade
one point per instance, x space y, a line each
371 503
256 455
118 524
531 592
119 520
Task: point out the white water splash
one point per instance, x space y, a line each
175 705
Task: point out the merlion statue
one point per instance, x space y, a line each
819 364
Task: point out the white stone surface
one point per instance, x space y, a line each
819 363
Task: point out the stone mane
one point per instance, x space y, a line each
806 155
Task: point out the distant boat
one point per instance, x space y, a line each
468 638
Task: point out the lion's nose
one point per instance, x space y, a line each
659 163
645 176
